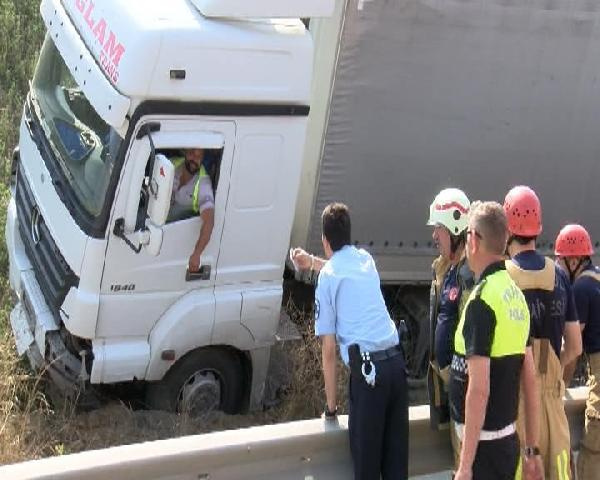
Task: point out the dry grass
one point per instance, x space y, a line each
31 428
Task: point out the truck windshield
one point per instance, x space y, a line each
83 144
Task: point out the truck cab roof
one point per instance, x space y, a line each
157 50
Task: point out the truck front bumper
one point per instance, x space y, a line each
36 331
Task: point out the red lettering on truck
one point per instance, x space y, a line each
114 50
111 50
87 15
100 30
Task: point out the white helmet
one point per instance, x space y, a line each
450 208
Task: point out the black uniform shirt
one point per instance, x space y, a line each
587 299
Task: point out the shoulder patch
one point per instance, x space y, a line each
453 294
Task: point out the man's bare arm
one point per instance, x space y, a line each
330 370
306 261
573 345
569 369
208 222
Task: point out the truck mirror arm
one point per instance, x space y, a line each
147 130
119 232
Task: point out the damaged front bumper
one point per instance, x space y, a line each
35 329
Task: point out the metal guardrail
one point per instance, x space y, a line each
307 450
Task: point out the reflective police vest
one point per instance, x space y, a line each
507 302
178 162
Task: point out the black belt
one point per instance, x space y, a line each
380 355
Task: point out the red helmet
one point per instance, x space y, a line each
573 241
523 212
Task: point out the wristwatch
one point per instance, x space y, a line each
531 451
330 413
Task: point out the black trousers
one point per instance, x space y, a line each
497 459
378 422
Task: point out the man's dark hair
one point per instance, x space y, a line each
336 225
521 240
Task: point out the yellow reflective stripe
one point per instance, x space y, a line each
558 466
566 465
519 472
195 197
562 465
202 173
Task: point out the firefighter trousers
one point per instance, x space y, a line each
438 390
554 436
588 463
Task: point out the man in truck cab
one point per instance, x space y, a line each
452 281
553 316
193 195
573 249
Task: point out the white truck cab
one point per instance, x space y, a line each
99 268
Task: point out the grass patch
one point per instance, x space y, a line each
31 428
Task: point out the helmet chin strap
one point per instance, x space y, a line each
573 271
508 242
455 242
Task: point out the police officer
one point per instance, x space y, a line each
574 247
452 281
553 315
349 307
193 195
490 349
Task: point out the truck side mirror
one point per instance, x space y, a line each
159 190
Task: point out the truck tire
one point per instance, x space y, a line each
416 304
411 304
200 382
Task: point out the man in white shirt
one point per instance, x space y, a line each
349 309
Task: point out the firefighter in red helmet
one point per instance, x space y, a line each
553 317
574 249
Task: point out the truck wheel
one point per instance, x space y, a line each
200 382
411 304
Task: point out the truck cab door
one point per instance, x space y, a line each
138 287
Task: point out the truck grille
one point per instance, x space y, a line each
51 270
